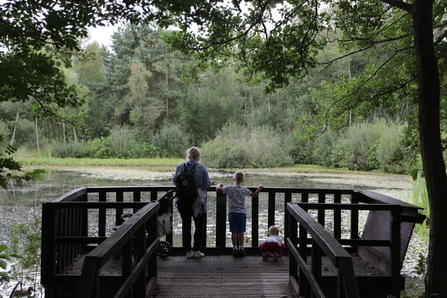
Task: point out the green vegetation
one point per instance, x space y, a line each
24 251
366 146
53 161
420 198
4 256
324 65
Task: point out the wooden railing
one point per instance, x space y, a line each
80 221
139 258
307 279
385 237
69 231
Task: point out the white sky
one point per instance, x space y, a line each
102 35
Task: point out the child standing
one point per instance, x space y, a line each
237 214
272 246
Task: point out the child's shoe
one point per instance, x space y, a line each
189 254
235 253
266 256
242 253
276 256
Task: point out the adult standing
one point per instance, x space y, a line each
193 209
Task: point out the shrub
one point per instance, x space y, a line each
237 146
171 141
146 150
100 148
338 153
390 151
372 161
324 145
360 138
300 149
123 142
76 150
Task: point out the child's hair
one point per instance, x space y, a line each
238 176
273 231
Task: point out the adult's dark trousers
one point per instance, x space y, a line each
186 213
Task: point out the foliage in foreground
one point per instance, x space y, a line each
23 256
8 166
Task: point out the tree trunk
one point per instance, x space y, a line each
37 139
431 149
75 136
63 132
14 130
167 86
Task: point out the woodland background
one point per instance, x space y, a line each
137 104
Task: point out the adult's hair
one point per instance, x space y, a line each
238 176
193 153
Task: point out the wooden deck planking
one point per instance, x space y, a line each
223 276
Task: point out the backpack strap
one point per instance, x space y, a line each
186 166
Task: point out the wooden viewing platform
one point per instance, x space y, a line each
223 277
348 258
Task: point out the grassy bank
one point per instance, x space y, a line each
167 163
146 162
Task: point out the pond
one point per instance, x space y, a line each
22 203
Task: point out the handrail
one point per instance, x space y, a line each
338 256
137 224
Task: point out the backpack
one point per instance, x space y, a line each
186 184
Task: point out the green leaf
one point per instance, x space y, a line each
3 247
414 174
3 264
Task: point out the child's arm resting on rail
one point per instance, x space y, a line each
256 193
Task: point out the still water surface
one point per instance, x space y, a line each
20 203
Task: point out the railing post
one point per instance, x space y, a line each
102 215
89 279
127 259
316 256
141 246
48 247
293 240
395 249
221 219
337 217
151 237
303 283
287 199
354 219
255 222
119 211
271 209
347 285
321 212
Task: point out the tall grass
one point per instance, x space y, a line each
420 198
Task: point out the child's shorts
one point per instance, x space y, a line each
237 222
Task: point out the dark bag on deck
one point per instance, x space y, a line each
186 184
